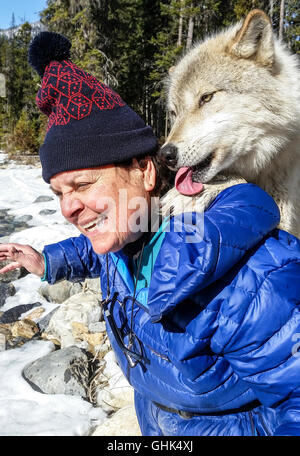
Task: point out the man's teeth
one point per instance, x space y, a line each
92 226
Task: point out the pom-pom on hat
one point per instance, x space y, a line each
89 124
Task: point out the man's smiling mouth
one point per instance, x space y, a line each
94 224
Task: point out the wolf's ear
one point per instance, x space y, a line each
255 39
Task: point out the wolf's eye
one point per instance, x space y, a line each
205 98
172 113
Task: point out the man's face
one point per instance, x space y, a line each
107 204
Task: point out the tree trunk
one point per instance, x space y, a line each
190 30
149 106
281 19
180 25
271 9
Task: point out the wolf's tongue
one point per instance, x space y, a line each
184 183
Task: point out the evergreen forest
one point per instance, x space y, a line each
127 44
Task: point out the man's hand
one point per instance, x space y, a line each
22 256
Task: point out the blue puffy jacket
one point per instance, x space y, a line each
219 324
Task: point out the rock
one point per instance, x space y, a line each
43 199
19 226
81 333
81 308
23 273
35 314
98 327
64 371
6 223
24 328
75 288
19 332
94 340
9 224
46 336
44 322
11 275
118 393
6 227
93 285
6 290
13 314
2 342
5 329
24 218
79 329
15 342
60 292
47 212
122 423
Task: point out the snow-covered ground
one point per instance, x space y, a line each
2 157
24 411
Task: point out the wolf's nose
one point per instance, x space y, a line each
168 154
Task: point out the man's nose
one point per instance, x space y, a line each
70 207
169 155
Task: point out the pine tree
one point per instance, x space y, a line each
292 31
21 88
129 45
24 139
281 19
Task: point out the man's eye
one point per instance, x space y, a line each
82 185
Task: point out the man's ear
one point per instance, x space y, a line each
255 40
149 175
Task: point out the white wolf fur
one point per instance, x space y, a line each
250 126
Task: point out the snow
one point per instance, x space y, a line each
2 157
20 187
24 411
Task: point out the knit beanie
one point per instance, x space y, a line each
89 124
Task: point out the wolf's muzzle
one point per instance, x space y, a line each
168 155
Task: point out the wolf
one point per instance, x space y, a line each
234 102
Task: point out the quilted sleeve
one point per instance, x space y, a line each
73 259
259 340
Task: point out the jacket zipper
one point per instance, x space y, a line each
252 423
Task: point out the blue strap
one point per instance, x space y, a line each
44 278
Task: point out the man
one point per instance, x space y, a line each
202 313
